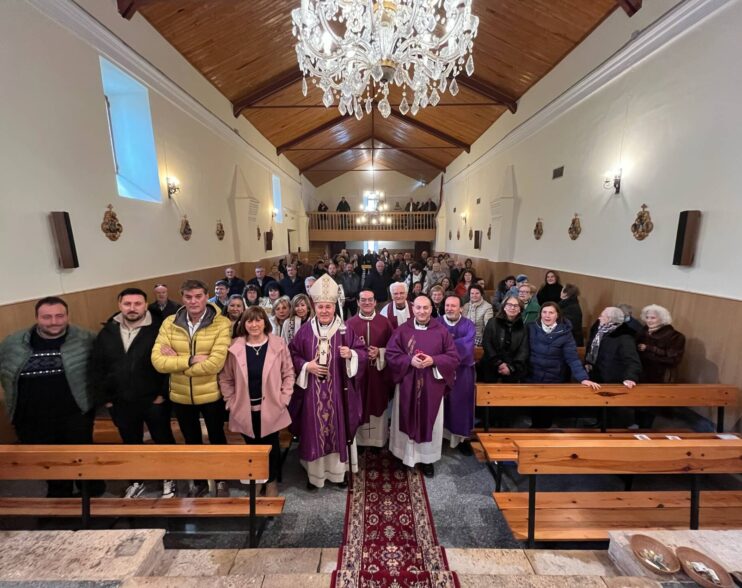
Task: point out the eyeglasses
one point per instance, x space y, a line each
366 300
512 306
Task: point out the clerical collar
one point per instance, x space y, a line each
403 307
448 322
420 326
367 318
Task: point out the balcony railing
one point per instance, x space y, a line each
386 222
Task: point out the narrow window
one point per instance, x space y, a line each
277 198
132 136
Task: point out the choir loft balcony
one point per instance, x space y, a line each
359 226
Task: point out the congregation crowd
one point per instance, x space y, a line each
357 351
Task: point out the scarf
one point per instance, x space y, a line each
603 330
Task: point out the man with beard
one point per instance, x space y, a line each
44 372
376 387
124 379
326 405
458 405
422 358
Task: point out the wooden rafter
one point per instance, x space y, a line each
315 131
413 122
128 8
352 145
275 85
631 7
413 155
488 90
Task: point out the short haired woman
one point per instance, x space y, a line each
437 296
478 311
257 382
281 312
531 307
252 295
505 343
611 355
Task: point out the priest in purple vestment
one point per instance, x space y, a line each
423 359
326 361
398 311
376 387
458 406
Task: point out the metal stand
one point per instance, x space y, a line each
253 530
720 419
695 499
604 420
531 511
85 492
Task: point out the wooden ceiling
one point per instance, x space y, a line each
246 50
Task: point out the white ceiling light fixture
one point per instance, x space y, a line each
354 49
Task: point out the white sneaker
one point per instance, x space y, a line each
134 490
168 489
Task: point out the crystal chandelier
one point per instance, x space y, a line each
354 49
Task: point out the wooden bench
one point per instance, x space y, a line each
502 446
609 395
139 462
479 353
588 516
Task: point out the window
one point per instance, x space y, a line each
132 136
277 198
370 201
372 245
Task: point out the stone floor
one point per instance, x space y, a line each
136 558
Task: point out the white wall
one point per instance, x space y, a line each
396 187
55 154
392 246
670 122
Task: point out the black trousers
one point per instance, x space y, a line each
274 458
74 429
188 416
130 419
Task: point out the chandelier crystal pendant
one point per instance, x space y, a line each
354 49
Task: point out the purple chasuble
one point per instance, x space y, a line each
377 386
317 411
420 393
391 317
458 407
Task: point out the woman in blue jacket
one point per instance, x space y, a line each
553 357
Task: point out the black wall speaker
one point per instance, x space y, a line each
64 240
687 237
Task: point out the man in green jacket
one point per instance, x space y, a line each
44 372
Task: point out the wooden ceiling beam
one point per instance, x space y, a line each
413 155
353 145
631 7
128 8
278 83
413 122
488 90
309 134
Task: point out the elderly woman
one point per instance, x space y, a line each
551 289
274 291
572 311
505 342
611 355
478 311
235 307
281 312
553 357
531 307
257 382
437 296
301 312
660 346
433 277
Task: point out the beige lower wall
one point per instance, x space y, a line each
90 308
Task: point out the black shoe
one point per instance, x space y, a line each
311 487
465 448
343 484
427 469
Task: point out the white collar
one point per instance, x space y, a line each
367 318
445 318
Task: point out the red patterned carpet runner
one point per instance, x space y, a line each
389 538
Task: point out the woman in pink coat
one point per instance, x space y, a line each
257 382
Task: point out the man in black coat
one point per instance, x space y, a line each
378 282
162 307
261 280
123 378
236 285
292 284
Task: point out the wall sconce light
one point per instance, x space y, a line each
463 217
173 186
274 212
612 180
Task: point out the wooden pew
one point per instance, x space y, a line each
479 352
139 462
609 395
560 516
502 446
